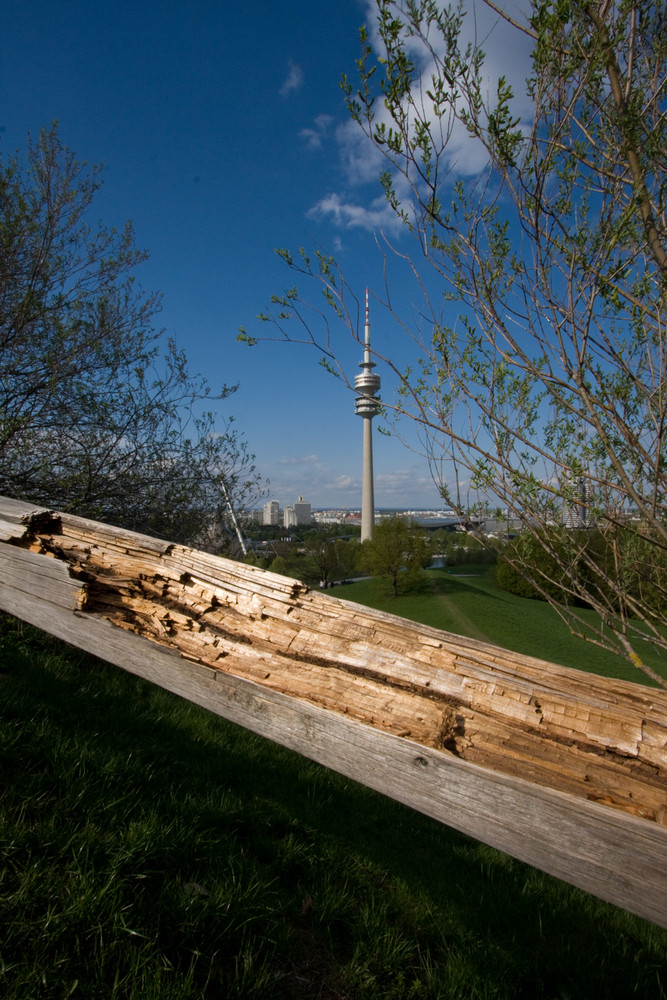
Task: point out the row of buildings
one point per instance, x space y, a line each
298 513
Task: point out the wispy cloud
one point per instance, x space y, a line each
347 214
404 487
293 81
315 136
360 159
300 460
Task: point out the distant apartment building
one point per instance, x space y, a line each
577 511
298 513
302 511
271 512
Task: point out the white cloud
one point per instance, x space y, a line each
301 460
315 136
375 217
345 483
405 488
507 53
360 159
293 81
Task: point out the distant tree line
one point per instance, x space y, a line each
461 548
398 551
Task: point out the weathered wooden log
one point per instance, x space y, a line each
557 767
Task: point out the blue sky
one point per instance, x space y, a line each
224 135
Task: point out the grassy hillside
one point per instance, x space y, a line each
149 850
466 601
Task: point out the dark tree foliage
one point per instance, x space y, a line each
333 558
567 564
99 413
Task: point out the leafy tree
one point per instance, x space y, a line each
462 547
584 559
333 558
530 570
539 372
347 557
99 414
398 551
322 552
279 565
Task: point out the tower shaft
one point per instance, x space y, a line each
366 406
367 484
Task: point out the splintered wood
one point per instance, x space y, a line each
596 738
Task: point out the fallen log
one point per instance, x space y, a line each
560 768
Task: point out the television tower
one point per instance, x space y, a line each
366 406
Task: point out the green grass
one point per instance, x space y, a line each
150 850
467 601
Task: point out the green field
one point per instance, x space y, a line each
151 851
466 601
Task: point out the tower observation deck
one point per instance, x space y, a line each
367 405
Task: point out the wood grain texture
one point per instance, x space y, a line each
504 748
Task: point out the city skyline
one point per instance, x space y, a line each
357 508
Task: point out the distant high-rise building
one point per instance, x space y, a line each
367 406
302 511
577 508
297 513
271 512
